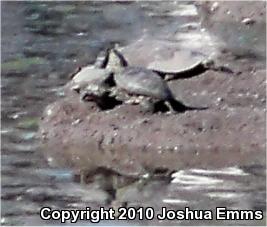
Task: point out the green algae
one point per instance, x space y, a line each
22 64
29 123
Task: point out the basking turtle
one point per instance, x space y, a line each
89 76
95 75
93 83
111 77
141 85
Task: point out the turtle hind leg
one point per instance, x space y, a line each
163 107
176 106
170 107
119 94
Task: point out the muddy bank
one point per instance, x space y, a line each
238 26
232 11
230 132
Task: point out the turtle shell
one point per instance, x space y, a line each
90 75
141 81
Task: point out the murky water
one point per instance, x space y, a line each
41 44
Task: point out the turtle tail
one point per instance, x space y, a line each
180 107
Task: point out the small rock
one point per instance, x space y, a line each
219 100
214 6
248 21
3 221
49 112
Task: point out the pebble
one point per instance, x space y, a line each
219 100
256 96
214 6
49 112
3 220
248 21
76 122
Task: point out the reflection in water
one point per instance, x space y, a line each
41 44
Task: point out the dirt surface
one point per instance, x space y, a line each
233 11
238 26
230 132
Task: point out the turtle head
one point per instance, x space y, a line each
116 60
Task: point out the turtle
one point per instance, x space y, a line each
138 85
93 83
95 75
111 81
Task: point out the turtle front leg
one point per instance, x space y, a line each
86 96
147 105
119 95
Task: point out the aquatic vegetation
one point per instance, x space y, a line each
22 64
28 123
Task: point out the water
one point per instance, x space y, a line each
41 44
